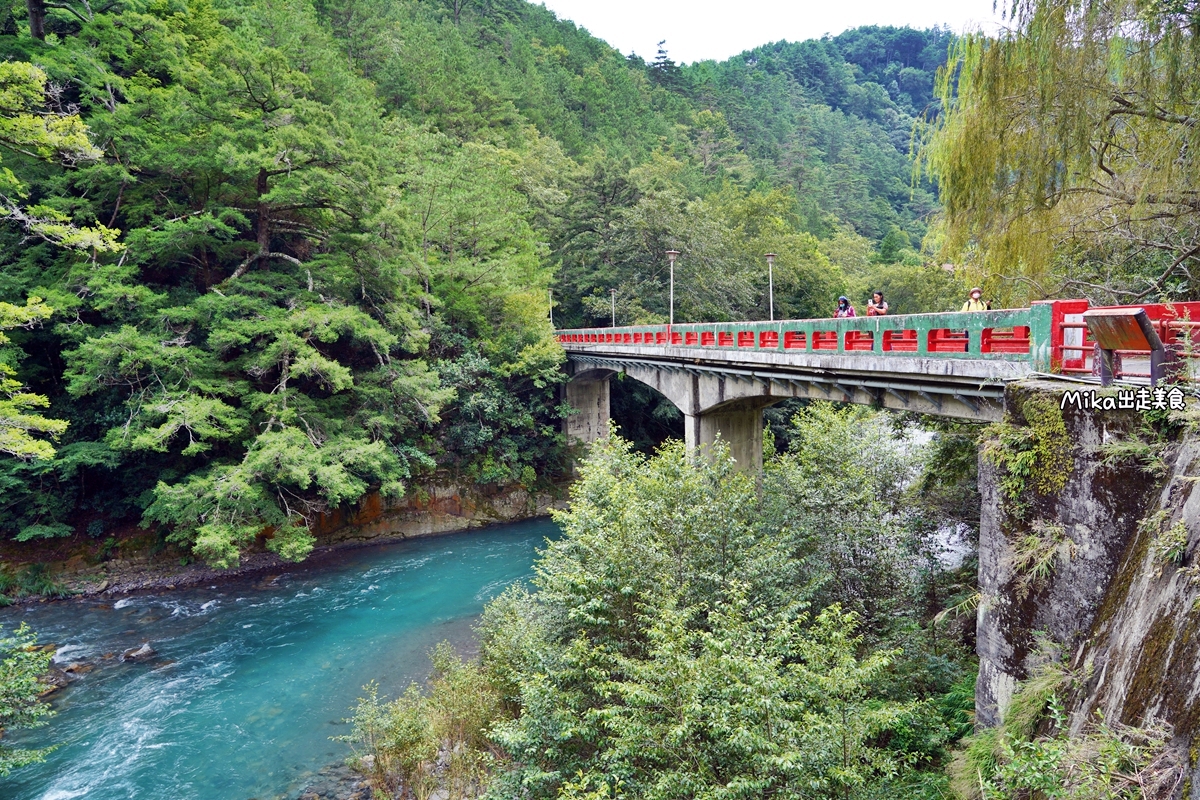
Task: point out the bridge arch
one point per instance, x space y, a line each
713 405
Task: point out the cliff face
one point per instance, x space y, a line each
1142 651
432 510
1113 581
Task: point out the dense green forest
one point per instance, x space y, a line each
690 636
261 258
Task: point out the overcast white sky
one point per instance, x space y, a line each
696 30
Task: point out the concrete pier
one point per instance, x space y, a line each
589 393
712 408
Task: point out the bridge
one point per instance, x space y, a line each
722 375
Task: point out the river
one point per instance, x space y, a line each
253 676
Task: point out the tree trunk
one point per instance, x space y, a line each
264 217
37 19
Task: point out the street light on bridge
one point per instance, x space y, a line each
671 256
771 283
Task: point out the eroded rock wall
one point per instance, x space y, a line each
1093 517
1141 658
1123 600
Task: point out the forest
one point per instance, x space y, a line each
259 259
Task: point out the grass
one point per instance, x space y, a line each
34 580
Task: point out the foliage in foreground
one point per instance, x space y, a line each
689 637
21 665
425 742
1034 755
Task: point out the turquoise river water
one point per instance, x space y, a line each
253 677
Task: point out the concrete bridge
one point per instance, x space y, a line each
722 375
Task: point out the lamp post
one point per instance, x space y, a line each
771 283
671 256
614 307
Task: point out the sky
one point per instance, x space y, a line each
696 30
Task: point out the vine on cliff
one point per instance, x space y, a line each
1032 457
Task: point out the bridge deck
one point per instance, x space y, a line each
967 388
1049 336
954 364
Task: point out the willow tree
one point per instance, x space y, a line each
1067 153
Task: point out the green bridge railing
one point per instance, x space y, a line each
1039 335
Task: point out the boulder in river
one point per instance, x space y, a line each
53 680
140 653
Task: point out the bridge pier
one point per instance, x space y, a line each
590 394
741 428
709 411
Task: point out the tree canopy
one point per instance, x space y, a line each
689 636
266 258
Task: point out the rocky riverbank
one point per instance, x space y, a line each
335 782
135 564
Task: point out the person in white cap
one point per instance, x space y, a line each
976 302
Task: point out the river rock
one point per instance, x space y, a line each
140 653
53 680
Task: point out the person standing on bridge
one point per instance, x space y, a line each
844 308
975 303
876 306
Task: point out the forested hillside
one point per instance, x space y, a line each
260 258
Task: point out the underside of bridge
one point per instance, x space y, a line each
737 422
726 401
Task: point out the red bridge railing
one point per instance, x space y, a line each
1051 336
